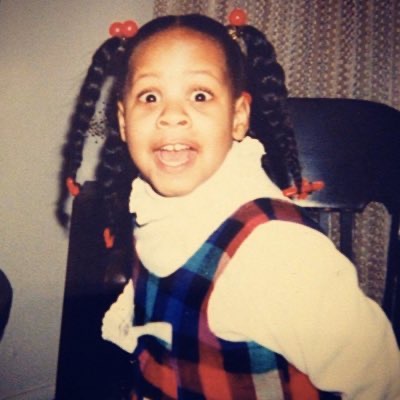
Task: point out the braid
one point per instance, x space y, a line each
269 121
85 108
116 172
116 169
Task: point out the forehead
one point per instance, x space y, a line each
177 47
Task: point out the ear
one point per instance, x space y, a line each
241 117
121 120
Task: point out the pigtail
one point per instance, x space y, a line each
115 172
89 95
116 169
269 118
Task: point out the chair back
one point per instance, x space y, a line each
354 147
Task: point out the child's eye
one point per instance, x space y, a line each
200 96
149 97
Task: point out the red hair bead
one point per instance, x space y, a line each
115 29
129 29
237 17
125 29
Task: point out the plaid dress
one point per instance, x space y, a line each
198 364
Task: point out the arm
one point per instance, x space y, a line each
305 304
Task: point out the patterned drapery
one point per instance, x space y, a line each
330 48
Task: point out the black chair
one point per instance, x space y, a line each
88 366
354 147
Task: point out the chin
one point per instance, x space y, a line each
174 190
173 193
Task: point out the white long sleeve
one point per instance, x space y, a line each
289 289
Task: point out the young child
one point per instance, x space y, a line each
235 293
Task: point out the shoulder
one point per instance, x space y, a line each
278 209
264 210
287 242
281 269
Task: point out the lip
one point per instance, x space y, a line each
173 157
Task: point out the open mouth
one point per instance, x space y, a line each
175 155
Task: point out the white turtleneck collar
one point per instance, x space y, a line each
169 230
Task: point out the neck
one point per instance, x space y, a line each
170 229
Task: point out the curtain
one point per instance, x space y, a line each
330 48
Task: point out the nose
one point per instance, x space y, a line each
173 115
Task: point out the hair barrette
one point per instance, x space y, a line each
109 238
123 30
72 186
307 188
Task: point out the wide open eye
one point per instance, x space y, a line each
201 95
149 97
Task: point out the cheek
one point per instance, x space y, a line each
135 146
133 142
139 122
132 128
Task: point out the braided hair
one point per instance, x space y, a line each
254 69
269 120
98 72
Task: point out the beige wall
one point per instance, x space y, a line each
45 48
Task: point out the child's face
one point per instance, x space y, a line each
179 116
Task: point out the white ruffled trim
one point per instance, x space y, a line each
170 230
117 323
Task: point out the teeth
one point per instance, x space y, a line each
175 147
